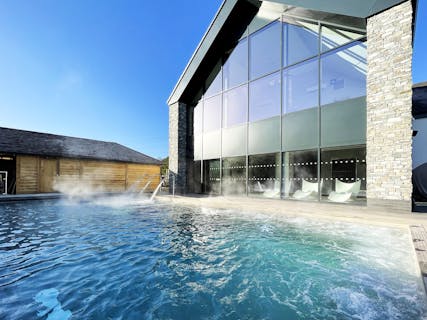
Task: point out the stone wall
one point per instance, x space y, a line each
178 147
389 105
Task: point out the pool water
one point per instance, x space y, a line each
142 260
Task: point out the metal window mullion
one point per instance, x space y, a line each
281 109
247 114
203 133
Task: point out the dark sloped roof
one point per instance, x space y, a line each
45 144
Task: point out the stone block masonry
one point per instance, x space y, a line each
178 146
389 106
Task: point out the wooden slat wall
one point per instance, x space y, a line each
109 176
36 174
139 174
69 168
27 174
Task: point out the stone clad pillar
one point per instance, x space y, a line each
389 106
178 146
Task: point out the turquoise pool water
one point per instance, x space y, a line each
103 260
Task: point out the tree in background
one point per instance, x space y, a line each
164 167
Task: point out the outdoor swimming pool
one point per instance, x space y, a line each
154 261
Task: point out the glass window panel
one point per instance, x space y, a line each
264 96
214 81
264 175
301 130
301 86
211 176
198 146
236 67
299 175
264 136
234 175
300 41
265 50
333 37
235 106
344 123
198 118
212 114
343 74
234 141
344 175
212 145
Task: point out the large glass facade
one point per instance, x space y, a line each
284 115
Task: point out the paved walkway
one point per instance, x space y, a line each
351 213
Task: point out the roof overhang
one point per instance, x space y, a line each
359 8
231 21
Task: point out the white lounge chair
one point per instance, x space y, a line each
344 191
258 188
307 190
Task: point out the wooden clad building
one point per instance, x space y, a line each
33 162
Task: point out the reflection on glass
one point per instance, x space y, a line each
333 37
344 175
344 74
264 97
235 106
299 175
211 176
264 175
268 12
300 41
234 175
212 114
214 81
300 86
236 67
265 50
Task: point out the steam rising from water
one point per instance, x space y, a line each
89 191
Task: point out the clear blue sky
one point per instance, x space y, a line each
104 69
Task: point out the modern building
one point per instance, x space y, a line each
32 162
301 100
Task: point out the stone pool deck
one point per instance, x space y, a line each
415 222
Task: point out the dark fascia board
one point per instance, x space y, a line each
354 8
212 36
